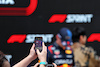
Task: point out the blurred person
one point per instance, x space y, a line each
84 56
32 56
3 61
60 51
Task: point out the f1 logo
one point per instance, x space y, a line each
94 37
16 11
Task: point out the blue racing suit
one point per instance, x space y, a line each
61 57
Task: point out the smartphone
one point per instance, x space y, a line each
38 43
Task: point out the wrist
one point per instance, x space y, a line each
42 60
43 63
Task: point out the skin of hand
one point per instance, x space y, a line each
32 53
54 64
42 55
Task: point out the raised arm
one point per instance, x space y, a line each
26 61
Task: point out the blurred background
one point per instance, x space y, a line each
22 20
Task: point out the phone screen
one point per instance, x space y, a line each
38 43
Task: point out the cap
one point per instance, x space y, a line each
65 34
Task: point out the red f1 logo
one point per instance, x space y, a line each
16 38
15 11
57 18
94 37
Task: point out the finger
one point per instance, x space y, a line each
38 52
45 49
54 64
43 46
33 46
36 65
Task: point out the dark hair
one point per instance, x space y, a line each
77 32
2 59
